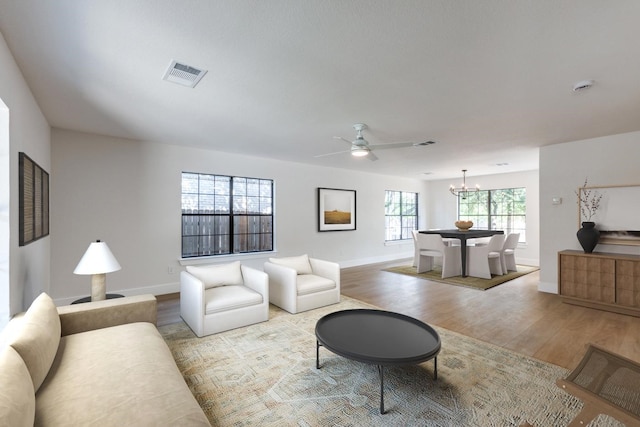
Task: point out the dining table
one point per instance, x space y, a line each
463 235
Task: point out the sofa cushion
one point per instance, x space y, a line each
37 338
299 263
17 398
218 275
119 376
310 283
225 298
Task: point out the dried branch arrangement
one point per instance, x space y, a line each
589 201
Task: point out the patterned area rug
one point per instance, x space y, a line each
265 375
470 282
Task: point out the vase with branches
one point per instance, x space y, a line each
589 202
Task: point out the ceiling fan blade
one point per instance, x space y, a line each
344 139
372 156
334 153
392 145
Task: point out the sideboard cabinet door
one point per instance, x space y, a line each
600 280
628 283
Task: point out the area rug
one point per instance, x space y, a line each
265 375
470 282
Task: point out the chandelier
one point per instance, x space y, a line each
464 190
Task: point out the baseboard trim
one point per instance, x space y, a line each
374 260
548 287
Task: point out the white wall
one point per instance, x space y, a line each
442 208
28 267
127 193
606 161
5 211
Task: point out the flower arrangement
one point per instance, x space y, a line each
589 201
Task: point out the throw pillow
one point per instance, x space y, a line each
218 275
17 398
38 338
299 263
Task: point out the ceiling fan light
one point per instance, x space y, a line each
359 151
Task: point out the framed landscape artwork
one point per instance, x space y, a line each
617 218
336 209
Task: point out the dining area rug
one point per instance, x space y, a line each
265 375
470 282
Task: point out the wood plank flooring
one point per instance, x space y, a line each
514 315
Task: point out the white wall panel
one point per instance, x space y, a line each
127 193
606 161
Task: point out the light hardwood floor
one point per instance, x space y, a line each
514 315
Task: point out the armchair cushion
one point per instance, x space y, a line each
39 337
218 275
17 397
300 263
224 298
310 283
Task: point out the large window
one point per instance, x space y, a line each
226 215
401 214
503 209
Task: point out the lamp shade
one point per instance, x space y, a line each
98 259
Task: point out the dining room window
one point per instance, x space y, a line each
503 209
226 215
401 215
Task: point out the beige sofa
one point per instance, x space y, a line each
102 363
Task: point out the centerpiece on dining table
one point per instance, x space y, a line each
464 225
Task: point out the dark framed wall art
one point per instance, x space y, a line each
336 209
34 201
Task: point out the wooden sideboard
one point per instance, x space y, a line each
600 280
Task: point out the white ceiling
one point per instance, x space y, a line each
490 81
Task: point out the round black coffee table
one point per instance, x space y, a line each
377 337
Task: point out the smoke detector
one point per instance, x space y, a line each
582 85
183 74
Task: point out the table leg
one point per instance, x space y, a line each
317 354
463 255
435 368
381 371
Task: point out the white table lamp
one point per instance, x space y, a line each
97 261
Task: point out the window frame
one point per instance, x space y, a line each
402 216
231 220
489 210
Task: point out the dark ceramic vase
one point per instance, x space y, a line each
588 236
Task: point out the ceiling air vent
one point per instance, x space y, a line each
183 74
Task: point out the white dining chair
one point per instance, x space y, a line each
485 260
416 249
432 246
508 253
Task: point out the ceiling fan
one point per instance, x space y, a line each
360 147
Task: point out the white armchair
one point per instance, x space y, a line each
217 298
298 284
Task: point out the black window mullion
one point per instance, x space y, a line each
232 217
216 224
396 212
489 210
